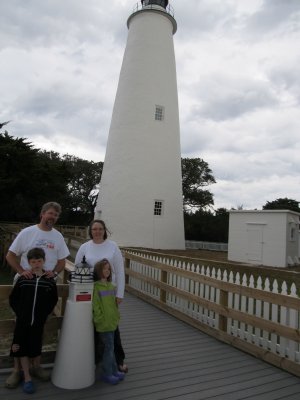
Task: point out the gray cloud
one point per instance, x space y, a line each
275 15
227 97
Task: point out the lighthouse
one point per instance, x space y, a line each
140 196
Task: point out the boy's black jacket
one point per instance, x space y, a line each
33 299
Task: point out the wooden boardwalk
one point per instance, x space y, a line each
168 359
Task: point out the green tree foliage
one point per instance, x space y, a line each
207 225
27 179
30 177
82 188
282 204
200 222
196 176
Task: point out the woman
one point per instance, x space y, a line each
96 249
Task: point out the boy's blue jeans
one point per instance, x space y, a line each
109 364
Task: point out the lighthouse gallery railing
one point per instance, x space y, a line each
139 6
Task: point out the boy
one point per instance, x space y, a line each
32 301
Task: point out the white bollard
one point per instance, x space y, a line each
74 366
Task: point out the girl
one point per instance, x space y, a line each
106 318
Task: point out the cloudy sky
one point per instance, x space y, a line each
238 85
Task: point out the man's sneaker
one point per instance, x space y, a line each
40 373
13 380
28 387
119 375
113 380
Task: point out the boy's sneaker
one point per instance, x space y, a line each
28 387
40 373
119 375
113 380
13 380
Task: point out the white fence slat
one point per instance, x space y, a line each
293 320
284 321
258 308
274 318
250 329
266 316
242 331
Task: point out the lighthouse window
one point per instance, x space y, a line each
158 207
159 113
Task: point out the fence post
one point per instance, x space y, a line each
127 267
163 293
224 303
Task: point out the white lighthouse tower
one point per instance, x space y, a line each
140 196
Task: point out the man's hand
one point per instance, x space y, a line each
118 300
50 274
27 274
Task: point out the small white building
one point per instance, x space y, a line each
266 237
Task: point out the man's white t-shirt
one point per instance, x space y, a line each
52 242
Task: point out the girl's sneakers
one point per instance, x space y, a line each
111 379
119 375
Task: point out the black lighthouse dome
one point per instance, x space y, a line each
162 3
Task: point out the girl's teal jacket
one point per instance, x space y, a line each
106 315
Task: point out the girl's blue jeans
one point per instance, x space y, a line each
109 364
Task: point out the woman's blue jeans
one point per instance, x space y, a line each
109 364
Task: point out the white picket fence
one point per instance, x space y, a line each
257 312
197 245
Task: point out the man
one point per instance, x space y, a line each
42 235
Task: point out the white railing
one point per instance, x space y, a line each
198 245
139 6
256 314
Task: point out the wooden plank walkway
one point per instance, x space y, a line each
168 359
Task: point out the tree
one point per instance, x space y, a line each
82 188
196 175
221 225
28 178
282 204
17 160
204 225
